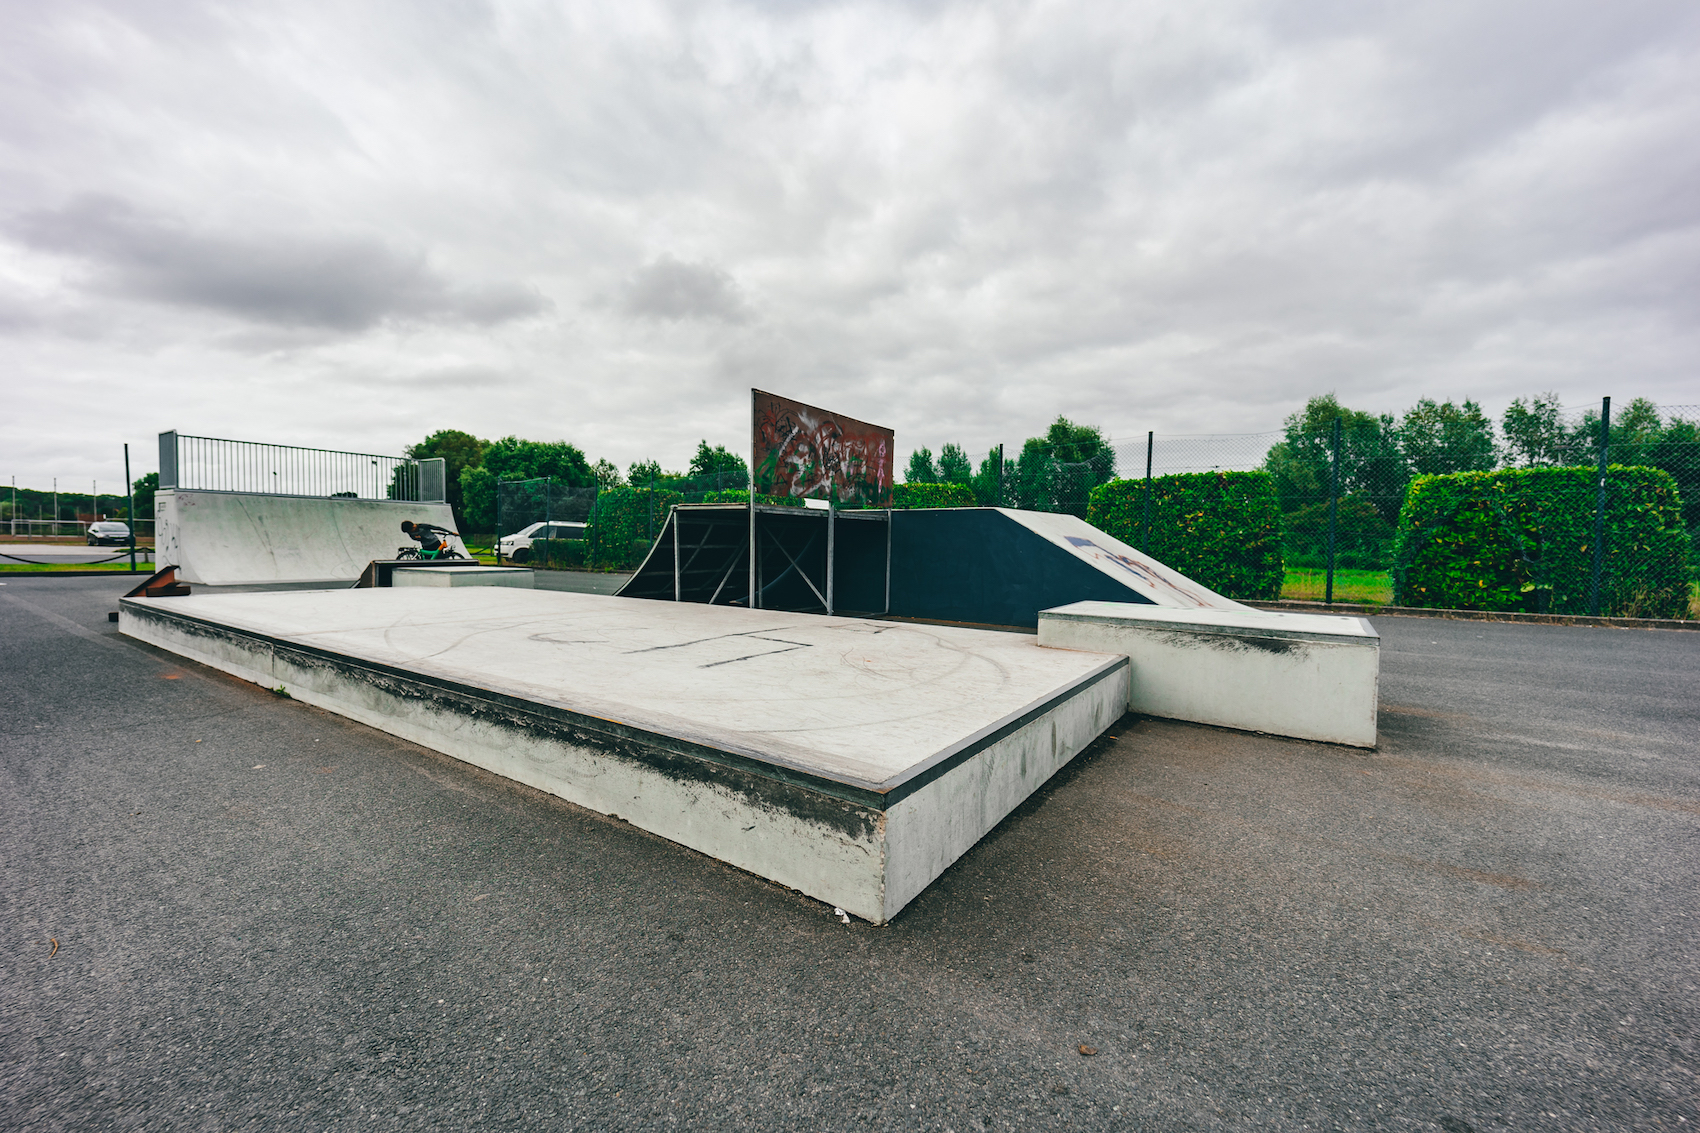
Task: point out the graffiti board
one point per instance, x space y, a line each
799 450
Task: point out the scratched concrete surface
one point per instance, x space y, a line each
269 917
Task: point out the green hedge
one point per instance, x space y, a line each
1222 529
1522 539
618 534
932 495
742 496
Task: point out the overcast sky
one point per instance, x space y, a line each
349 224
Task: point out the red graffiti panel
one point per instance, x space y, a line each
800 450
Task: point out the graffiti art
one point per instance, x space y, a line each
800 450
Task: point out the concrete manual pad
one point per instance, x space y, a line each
519 577
1309 676
852 760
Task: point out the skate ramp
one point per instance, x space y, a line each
976 566
228 538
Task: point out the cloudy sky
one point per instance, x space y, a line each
349 224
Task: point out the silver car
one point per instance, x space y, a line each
108 531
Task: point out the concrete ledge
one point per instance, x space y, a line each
1308 676
464 576
851 760
1372 610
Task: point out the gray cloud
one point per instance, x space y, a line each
333 283
957 219
673 290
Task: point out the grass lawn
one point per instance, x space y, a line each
142 567
1368 586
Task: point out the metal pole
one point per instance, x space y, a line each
1600 509
831 529
677 539
1000 503
753 580
1333 513
498 520
888 533
1150 444
131 513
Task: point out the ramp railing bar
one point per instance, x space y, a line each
218 464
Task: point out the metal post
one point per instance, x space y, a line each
831 529
888 533
130 514
1333 513
56 507
1150 444
678 538
753 579
1000 502
498 521
1600 509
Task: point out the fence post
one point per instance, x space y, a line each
498 521
1150 444
1333 513
1600 509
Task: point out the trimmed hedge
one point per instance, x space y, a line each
904 496
1222 529
742 496
1363 540
1522 539
617 536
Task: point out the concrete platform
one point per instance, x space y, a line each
852 760
520 577
1309 676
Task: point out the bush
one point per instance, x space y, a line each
557 554
1222 529
1522 539
742 496
932 495
1363 540
618 535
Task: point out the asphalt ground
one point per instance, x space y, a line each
69 553
267 916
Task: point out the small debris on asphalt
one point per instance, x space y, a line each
1087 1051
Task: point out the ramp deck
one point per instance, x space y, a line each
853 760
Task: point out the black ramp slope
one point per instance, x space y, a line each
979 565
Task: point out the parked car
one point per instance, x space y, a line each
108 531
518 545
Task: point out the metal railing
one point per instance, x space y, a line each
215 464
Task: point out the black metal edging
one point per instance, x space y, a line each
881 797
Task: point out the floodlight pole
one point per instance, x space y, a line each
1600 510
1150 443
130 513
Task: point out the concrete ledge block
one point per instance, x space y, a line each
522 577
1309 676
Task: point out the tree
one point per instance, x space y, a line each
1057 472
1371 464
607 474
1534 435
954 465
145 489
921 470
728 467
459 451
513 459
987 483
642 473
1437 439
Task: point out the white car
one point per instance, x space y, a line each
518 545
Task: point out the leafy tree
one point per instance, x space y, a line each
985 485
954 465
718 461
1437 439
642 473
1677 451
607 474
459 451
1371 465
1057 472
921 470
145 489
513 459
478 500
1534 435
